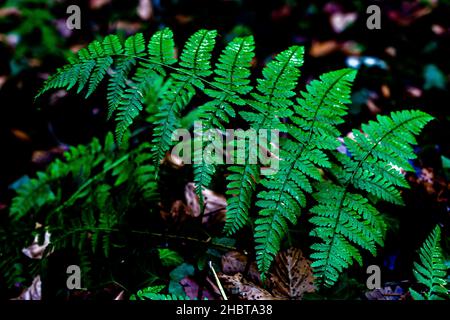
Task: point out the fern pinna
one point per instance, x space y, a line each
313 130
344 219
231 82
431 270
341 188
271 103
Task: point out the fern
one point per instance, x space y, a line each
146 292
125 95
75 198
344 220
271 102
161 296
344 187
194 63
431 271
231 82
37 192
314 130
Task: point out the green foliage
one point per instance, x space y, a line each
147 293
194 63
82 199
35 31
431 270
270 105
153 293
169 258
231 82
339 190
344 219
314 130
176 275
161 296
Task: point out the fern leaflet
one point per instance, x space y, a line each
343 219
431 271
314 130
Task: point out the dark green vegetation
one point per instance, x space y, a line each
344 220
106 203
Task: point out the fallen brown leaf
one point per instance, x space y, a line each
21 135
292 275
97 4
238 286
193 289
177 214
320 49
235 262
214 205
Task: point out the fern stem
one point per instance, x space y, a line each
179 70
207 242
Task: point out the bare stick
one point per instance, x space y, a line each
222 292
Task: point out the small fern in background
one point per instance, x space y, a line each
153 293
82 200
430 270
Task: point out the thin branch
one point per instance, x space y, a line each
219 285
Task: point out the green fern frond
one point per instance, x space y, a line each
195 62
37 192
431 270
280 77
344 220
318 112
143 293
162 296
161 48
117 83
229 86
125 96
144 173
